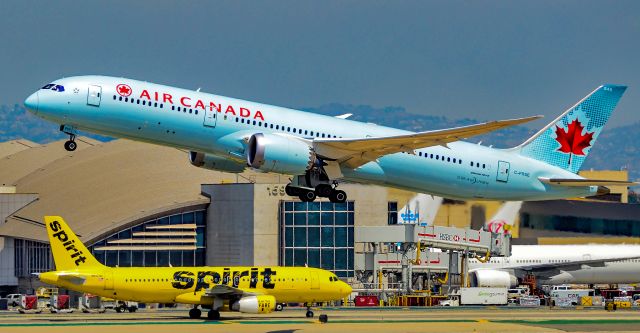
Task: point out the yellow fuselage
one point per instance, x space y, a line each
190 285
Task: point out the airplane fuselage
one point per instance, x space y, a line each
190 285
220 126
613 271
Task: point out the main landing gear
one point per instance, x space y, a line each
195 313
213 315
322 190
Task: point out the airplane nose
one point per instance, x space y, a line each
32 102
345 289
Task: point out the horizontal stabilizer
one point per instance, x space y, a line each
585 182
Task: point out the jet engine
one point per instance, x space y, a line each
214 162
255 304
492 278
280 154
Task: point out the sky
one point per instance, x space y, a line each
460 59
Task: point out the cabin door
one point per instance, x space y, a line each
503 171
210 116
94 95
315 283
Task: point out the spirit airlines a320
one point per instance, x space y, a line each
320 152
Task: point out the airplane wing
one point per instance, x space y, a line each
551 269
356 152
585 182
224 291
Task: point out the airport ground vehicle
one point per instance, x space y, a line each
118 305
564 293
477 296
13 299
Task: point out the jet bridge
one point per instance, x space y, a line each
410 249
478 242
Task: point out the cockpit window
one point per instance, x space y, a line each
54 87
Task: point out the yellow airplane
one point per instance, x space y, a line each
243 289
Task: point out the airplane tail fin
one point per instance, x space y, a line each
567 140
504 218
69 252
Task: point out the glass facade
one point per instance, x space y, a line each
31 257
581 224
317 234
173 240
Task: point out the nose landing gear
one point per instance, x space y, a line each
71 145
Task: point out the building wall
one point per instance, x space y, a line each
230 224
9 204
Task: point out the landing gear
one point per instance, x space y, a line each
71 145
338 196
279 307
309 313
323 318
195 313
213 315
307 196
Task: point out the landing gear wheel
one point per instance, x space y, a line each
338 196
195 313
132 309
70 145
213 315
323 190
323 318
307 196
279 307
291 191
118 309
309 314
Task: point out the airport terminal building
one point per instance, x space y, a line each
136 204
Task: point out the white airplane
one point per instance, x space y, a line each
420 210
502 221
554 264
320 152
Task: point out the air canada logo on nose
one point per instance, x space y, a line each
123 90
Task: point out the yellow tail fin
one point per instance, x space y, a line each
68 251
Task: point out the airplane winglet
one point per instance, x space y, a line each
344 116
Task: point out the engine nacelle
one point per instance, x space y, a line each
213 162
492 278
255 304
280 154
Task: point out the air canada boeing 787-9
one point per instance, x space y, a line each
320 152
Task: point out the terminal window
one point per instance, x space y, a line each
173 240
317 234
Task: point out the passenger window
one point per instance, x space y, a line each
155 105
254 123
190 110
114 97
120 99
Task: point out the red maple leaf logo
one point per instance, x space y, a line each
123 90
572 141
